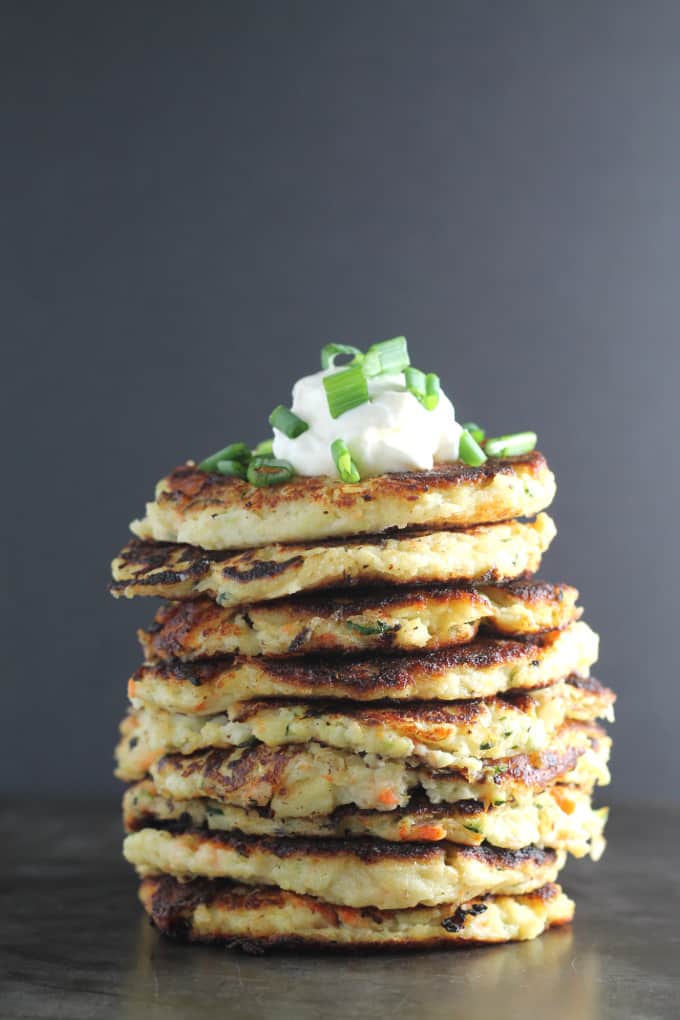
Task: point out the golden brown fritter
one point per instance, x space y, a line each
479 669
561 817
394 619
215 512
256 917
493 552
353 873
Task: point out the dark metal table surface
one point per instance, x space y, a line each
74 943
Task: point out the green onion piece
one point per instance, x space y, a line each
424 388
345 389
347 469
235 468
331 351
415 382
512 445
264 449
285 421
469 450
386 357
378 628
431 391
235 451
269 471
476 431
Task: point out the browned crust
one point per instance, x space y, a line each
171 904
540 768
530 589
156 563
186 487
226 772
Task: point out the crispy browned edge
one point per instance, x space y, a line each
186 486
170 905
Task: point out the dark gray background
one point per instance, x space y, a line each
196 196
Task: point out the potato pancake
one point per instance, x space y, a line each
353 873
308 779
476 670
440 735
216 512
398 619
560 817
493 552
255 918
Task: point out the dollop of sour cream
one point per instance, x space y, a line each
392 432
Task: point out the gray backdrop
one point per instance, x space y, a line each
196 196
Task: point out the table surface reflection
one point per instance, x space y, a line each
74 944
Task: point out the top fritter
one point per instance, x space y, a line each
217 512
366 448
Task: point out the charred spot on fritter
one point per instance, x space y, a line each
456 922
261 569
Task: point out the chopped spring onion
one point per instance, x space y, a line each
415 382
233 468
345 389
424 388
331 351
269 471
386 357
469 450
235 451
264 449
347 469
476 431
512 445
431 391
285 421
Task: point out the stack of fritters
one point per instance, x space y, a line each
359 720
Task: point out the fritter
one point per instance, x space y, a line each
440 735
560 817
353 873
493 552
308 779
397 619
216 512
476 670
255 917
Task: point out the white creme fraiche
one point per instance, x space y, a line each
392 432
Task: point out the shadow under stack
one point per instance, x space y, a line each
360 721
